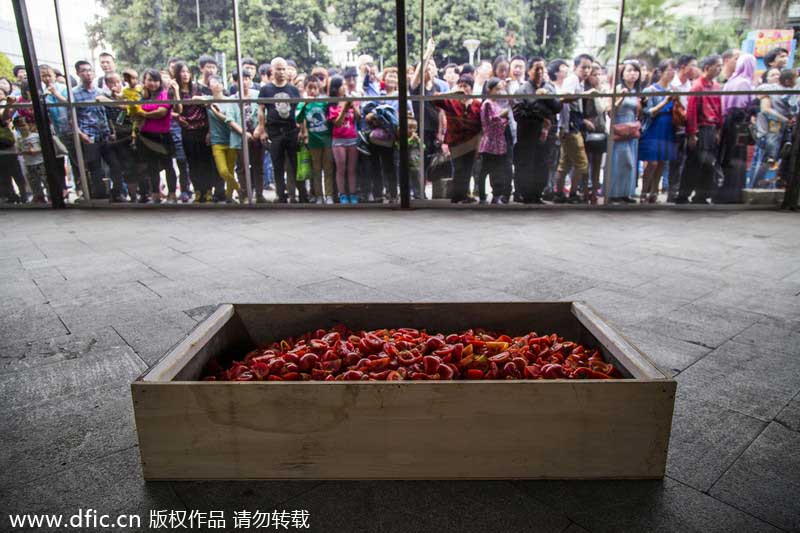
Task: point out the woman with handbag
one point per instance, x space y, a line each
658 144
626 131
596 142
462 137
194 130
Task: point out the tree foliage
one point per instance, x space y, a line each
500 25
147 33
6 67
373 24
560 18
652 31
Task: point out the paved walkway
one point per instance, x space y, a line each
91 298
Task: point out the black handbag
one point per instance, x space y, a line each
440 167
596 142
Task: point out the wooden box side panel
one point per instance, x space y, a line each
222 332
407 430
596 331
270 322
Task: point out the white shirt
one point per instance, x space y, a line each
677 86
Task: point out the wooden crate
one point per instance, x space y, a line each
560 429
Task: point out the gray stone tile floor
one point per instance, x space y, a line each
92 298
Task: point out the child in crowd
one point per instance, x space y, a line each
31 150
413 148
345 140
132 92
493 148
177 142
225 127
316 133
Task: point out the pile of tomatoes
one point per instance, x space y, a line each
411 354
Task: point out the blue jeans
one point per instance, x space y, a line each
269 174
768 149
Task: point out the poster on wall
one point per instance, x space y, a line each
760 42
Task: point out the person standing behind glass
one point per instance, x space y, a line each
494 147
225 129
594 114
573 150
625 157
56 93
557 72
278 131
123 145
657 145
424 83
778 112
94 131
681 83
252 143
343 118
736 114
534 132
703 121
155 141
463 132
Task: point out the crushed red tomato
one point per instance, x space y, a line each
410 354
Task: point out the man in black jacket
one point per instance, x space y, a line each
534 117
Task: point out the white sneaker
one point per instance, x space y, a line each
319 201
370 197
329 200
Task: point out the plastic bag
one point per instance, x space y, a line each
303 164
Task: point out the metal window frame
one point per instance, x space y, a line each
39 110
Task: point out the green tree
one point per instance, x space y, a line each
6 67
707 39
549 27
500 25
373 23
652 31
489 21
147 33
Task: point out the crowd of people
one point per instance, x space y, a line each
138 145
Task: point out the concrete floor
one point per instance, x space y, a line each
91 298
